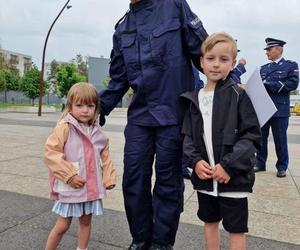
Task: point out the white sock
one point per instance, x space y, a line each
80 248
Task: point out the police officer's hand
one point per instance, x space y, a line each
220 175
203 170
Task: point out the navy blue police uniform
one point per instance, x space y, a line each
237 72
153 46
279 80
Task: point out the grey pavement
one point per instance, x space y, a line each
25 210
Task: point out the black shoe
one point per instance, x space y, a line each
160 247
138 246
258 169
281 173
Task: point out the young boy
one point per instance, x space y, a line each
222 134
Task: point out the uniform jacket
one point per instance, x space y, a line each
279 79
69 147
235 136
153 46
237 72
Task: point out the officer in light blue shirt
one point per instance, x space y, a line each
280 77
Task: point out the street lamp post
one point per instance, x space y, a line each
43 59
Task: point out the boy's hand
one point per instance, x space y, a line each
203 170
220 175
77 182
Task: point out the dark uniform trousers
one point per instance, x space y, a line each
153 46
279 127
160 212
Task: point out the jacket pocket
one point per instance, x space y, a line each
166 39
131 55
129 48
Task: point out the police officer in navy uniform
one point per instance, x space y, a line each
280 77
153 46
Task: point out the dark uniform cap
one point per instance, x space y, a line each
271 42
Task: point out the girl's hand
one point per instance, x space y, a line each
77 182
220 175
203 170
110 187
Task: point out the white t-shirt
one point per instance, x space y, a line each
205 99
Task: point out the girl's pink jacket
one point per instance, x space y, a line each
68 151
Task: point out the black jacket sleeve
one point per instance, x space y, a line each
249 141
192 153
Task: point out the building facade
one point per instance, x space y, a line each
98 73
17 60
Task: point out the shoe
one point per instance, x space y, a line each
187 173
281 173
160 247
258 169
138 246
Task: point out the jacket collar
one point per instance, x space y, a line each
72 120
140 5
193 95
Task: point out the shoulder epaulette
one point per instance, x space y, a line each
290 61
121 19
265 65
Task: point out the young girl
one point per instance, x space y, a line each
77 156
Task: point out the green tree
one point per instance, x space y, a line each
10 80
81 64
53 69
105 82
13 80
2 80
30 84
295 92
66 76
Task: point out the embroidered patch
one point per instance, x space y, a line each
195 21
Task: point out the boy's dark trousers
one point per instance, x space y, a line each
153 217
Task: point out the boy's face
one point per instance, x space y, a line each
218 62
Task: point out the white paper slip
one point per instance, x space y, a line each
63 187
262 102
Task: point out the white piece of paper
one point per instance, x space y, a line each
63 187
262 102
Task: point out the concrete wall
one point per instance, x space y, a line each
98 70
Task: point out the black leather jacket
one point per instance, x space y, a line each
236 136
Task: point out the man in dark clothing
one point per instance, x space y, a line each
280 77
153 46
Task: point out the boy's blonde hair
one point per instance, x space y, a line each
82 93
219 37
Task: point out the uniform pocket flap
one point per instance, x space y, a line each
128 40
171 25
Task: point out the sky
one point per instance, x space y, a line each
87 27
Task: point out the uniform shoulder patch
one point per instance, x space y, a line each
195 21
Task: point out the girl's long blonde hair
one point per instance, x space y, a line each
83 93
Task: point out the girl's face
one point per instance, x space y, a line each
84 113
218 62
